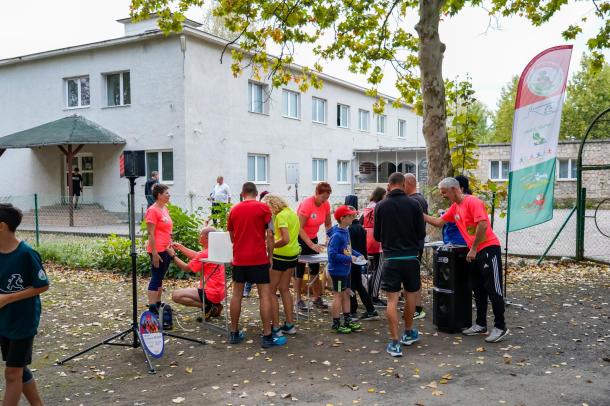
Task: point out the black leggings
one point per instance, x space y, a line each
357 286
374 275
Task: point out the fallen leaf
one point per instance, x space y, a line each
179 399
189 370
269 394
437 393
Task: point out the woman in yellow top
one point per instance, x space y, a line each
286 251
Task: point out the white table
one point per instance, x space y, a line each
321 258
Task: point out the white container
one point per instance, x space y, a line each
220 248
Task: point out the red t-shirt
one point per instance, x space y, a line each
163 227
214 275
316 215
248 222
466 216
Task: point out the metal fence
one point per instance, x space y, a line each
47 216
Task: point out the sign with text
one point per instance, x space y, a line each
538 106
150 332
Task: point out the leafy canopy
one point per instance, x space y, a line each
369 34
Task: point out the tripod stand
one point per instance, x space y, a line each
134 328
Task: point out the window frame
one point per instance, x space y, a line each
317 179
314 102
340 181
286 108
347 108
402 123
382 118
501 162
78 92
159 153
368 120
572 164
256 156
121 88
264 102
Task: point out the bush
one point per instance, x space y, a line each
76 254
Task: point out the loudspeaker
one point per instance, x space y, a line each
452 294
449 266
132 164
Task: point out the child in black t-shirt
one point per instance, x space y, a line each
22 280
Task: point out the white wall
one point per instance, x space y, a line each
33 93
220 131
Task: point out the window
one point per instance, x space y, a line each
256 98
318 110
257 168
381 119
318 173
292 104
77 92
363 120
342 171
567 169
118 89
498 170
342 116
162 162
402 128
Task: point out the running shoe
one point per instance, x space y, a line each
289 329
341 329
475 330
277 332
379 302
236 337
368 316
353 316
274 341
352 325
496 335
419 315
319 303
409 337
394 350
303 306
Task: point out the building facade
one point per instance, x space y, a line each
171 97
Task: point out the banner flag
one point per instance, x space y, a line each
536 123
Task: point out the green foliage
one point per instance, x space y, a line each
219 215
468 124
494 194
76 254
502 127
588 94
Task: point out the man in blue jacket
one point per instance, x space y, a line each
399 226
340 257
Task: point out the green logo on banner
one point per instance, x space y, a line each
531 195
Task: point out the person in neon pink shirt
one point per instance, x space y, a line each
470 216
213 274
159 225
313 212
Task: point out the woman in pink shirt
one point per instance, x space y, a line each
313 212
159 225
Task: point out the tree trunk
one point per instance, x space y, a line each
431 51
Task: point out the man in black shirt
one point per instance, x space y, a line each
77 186
411 191
154 179
400 227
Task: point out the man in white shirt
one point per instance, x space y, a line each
221 194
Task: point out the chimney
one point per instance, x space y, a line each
149 25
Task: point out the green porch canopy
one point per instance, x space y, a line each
72 130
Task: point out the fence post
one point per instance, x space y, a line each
493 209
36 219
580 224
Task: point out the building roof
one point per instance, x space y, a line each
65 131
153 34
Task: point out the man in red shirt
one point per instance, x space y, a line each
251 229
470 216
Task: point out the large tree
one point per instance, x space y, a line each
369 34
588 94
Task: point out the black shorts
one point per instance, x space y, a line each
258 274
284 263
17 353
397 273
201 296
314 269
341 283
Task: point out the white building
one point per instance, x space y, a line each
171 97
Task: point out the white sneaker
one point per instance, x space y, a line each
496 335
474 330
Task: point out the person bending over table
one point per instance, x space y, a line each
313 212
214 275
470 216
